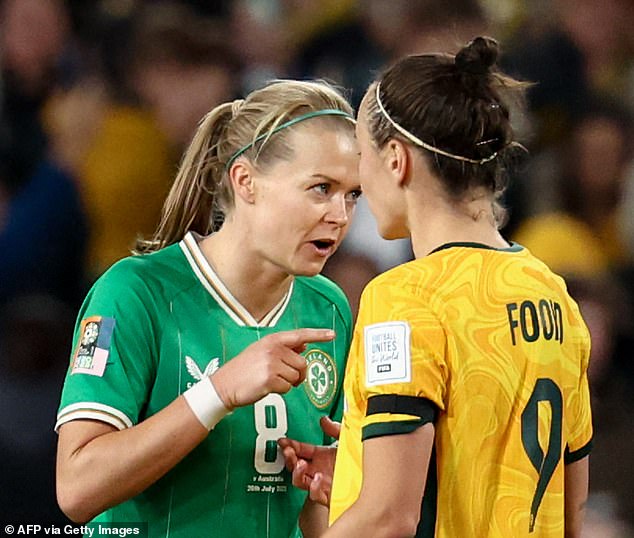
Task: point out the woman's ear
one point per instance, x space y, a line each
241 176
398 160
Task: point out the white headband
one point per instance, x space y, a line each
414 139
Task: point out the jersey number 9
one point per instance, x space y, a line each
545 464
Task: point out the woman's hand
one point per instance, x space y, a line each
312 466
272 364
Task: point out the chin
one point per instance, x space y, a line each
309 269
305 271
392 227
390 234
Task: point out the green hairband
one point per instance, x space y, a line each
308 115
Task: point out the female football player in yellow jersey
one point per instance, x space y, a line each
467 403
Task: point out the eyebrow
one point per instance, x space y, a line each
331 179
328 178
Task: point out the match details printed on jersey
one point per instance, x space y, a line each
387 353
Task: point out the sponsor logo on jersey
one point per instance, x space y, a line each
321 378
196 372
93 347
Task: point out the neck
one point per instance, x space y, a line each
439 223
256 283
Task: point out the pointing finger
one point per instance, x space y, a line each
301 337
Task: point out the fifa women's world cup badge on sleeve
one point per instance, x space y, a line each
321 378
93 346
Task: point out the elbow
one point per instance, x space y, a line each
572 532
406 527
75 505
399 525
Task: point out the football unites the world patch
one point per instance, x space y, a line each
93 347
321 378
387 353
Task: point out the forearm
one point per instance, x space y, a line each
114 466
361 521
576 495
394 477
313 519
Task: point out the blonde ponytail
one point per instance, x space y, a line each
191 204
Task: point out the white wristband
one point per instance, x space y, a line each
205 403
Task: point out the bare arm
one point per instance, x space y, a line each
313 519
394 475
576 495
99 467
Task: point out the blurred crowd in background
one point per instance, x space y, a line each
98 98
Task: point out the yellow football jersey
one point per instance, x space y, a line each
491 338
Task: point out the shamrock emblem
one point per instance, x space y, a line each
318 377
321 381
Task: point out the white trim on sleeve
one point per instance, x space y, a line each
93 411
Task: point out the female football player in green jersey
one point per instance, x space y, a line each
467 404
191 358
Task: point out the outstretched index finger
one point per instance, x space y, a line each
299 337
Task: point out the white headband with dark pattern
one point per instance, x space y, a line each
415 140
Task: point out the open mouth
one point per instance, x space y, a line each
324 246
323 243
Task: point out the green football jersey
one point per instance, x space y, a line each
154 325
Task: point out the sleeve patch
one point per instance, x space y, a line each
93 347
387 353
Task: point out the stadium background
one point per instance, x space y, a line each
99 97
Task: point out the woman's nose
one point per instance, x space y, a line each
338 211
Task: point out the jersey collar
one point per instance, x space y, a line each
216 288
514 247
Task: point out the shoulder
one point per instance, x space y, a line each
160 272
541 271
406 278
394 293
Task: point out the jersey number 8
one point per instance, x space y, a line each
270 424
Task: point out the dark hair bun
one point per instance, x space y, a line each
478 56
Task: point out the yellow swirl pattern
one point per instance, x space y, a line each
456 302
